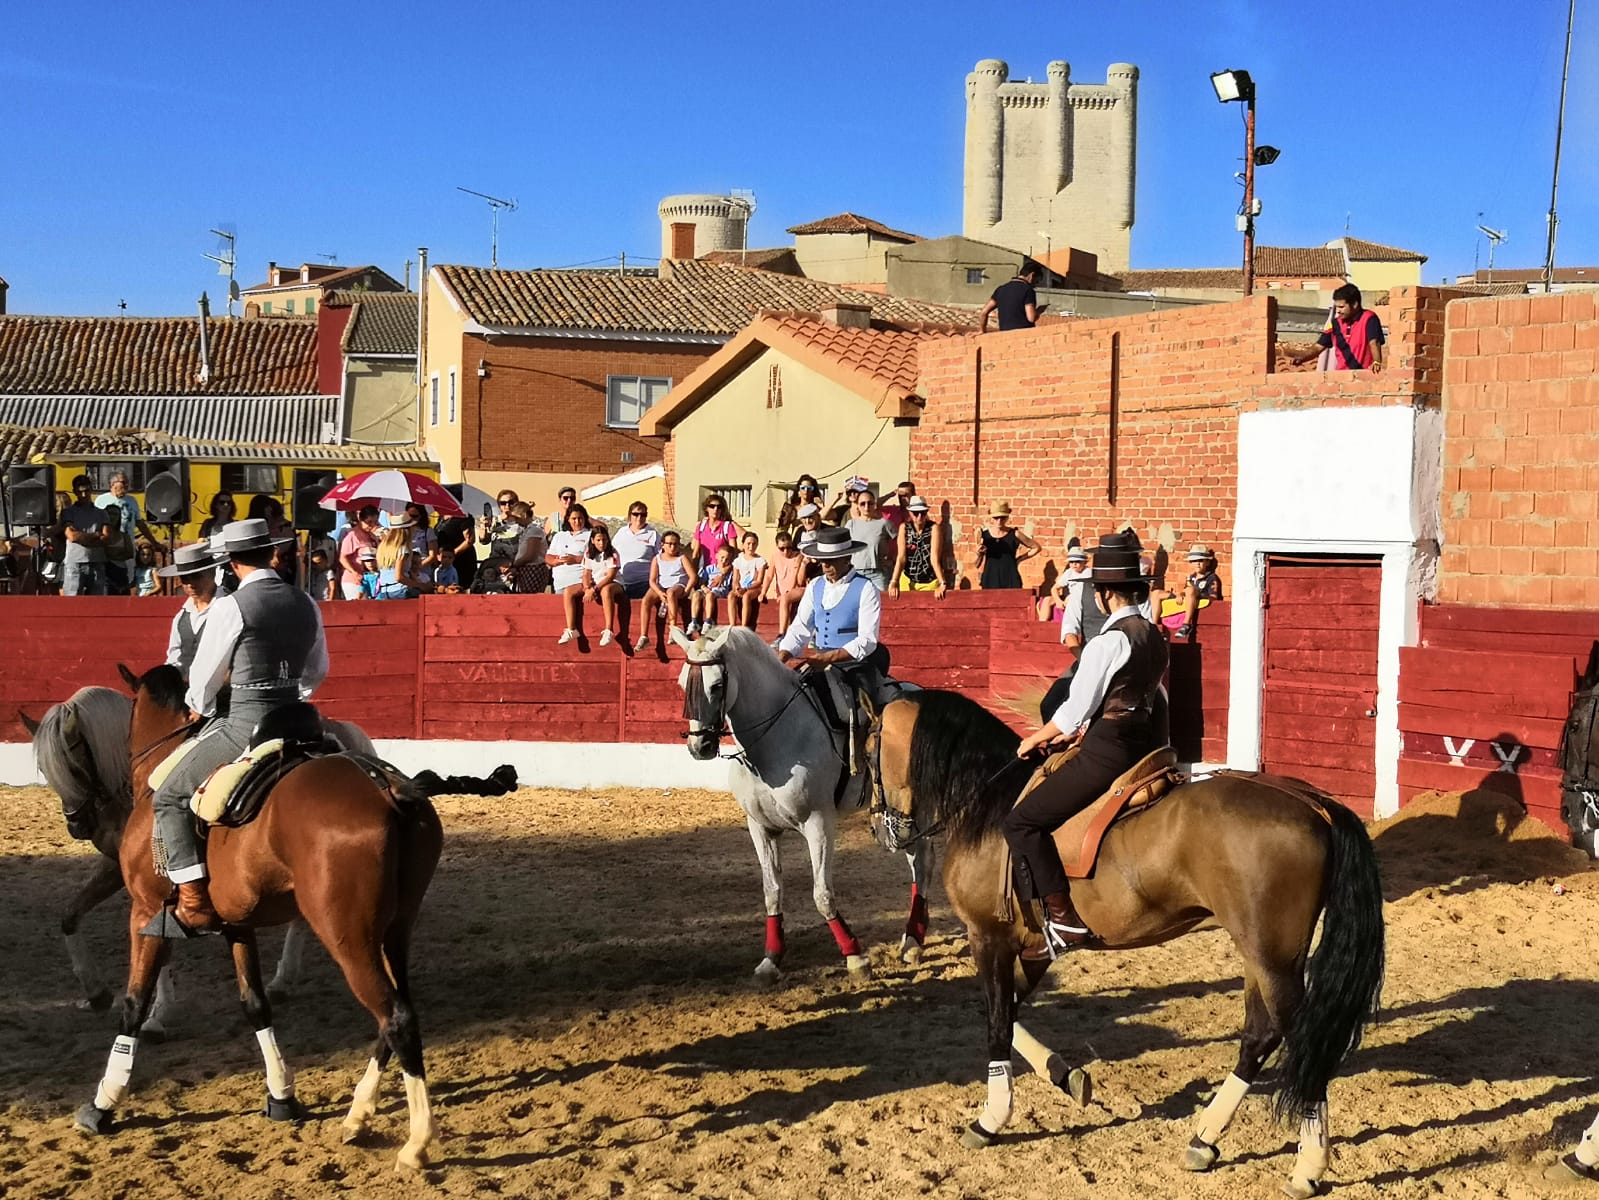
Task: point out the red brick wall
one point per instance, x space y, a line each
1521 452
1025 416
330 323
542 404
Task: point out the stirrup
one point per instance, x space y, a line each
1059 938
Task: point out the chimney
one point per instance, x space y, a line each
847 315
272 274
305 272
205 338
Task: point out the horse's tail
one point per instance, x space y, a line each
1344 977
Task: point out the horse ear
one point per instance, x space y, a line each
681 639
128 676
719 640
28 722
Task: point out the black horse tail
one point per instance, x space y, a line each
1344 979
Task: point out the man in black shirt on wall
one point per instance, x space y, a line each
1016 301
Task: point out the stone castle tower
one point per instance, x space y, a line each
1056 157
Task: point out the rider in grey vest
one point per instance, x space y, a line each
1084 621
266 640
196 567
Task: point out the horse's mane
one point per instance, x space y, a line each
166 687
957 746
92 760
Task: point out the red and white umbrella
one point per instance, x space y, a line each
391 491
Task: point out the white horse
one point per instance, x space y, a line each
81 747
791 773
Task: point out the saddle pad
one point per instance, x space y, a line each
210 802
167 765
1078 840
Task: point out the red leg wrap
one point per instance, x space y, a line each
916 923
846 940
774 937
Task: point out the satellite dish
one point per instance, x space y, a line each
233 289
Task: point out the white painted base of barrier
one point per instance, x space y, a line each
573 765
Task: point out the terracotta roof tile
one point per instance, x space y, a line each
887 356
155 356
1293 262
381 323
687 297
1309 262
1361 250
851 223
1171 277
780 259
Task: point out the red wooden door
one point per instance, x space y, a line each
1319 676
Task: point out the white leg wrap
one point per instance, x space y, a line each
1038 1056
1588 1149
118 1070
415 1152
365 1104
996 1113
1311 1164
1219 1112
280 1080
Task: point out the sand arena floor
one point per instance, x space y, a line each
583 979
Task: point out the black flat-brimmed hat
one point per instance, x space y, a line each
1117 559
240 537
830 541
189 560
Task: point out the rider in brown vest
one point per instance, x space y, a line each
1111 703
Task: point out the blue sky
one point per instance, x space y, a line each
344 129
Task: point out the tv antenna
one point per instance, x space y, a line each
226 260
495 204
330 259
1494 236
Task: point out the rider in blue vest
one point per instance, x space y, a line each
838 615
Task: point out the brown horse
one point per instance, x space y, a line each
331 845
1258 857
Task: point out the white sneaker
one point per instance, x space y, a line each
693 629
643 643
566 636
605 638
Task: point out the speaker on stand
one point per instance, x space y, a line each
308 488
166 495
29 501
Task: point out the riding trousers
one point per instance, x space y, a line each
222 740
1110 748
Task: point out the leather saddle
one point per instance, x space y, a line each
848 699
284 739
1136 789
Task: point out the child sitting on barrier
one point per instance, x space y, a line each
671 584
716 582
749 581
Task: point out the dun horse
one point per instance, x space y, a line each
1258 857
81 746
791 772
352 858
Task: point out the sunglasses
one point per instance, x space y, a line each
567 496
637 512
507 503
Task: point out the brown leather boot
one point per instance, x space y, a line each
1063 929
194 909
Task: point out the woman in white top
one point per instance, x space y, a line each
565 557
637 543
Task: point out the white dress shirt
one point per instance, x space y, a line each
1102 657
802 629
214 656
197 618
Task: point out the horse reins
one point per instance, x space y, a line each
163 740
759 729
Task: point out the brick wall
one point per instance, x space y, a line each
330 323
541 407
1025 416
1521 453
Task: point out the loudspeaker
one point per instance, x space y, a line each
33 493
166 491
309 488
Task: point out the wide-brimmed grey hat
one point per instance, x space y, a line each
831 541
807 510
240 537
1199 552
915 504
189 560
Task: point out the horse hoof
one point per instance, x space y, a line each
767 973
1302 1189
978 1138
353 1133
1079 1086
92 1119
411 1160
859 966
287 1109
910 953
153 1031
98 1002
1200 1155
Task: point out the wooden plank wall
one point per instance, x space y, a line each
1489 689
487 668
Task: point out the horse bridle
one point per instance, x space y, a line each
694 695
185 728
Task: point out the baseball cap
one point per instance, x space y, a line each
808 510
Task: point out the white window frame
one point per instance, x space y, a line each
433 400
612 382
740 499
980 272
452 395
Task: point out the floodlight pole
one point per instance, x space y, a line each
1554 183
1249 191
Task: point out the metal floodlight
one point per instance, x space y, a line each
1266 155
1233 85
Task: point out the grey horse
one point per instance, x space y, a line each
81 746
792 772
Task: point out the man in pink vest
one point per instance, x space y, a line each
1353 335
